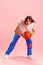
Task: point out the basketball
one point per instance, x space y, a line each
27 35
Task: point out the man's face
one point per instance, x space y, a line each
28 22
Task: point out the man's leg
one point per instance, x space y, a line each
12 44
29 46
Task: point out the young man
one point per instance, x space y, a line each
23 26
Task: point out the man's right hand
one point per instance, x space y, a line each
22 34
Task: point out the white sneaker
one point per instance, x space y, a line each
6 56
29 56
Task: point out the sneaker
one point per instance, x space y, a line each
29 56
6 56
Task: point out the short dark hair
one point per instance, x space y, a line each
30 18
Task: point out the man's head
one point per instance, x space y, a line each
28 20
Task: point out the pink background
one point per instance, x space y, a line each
11 12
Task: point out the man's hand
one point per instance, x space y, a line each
22 34
33 31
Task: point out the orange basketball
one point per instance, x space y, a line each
27 35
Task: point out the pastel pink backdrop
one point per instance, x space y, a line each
11 12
